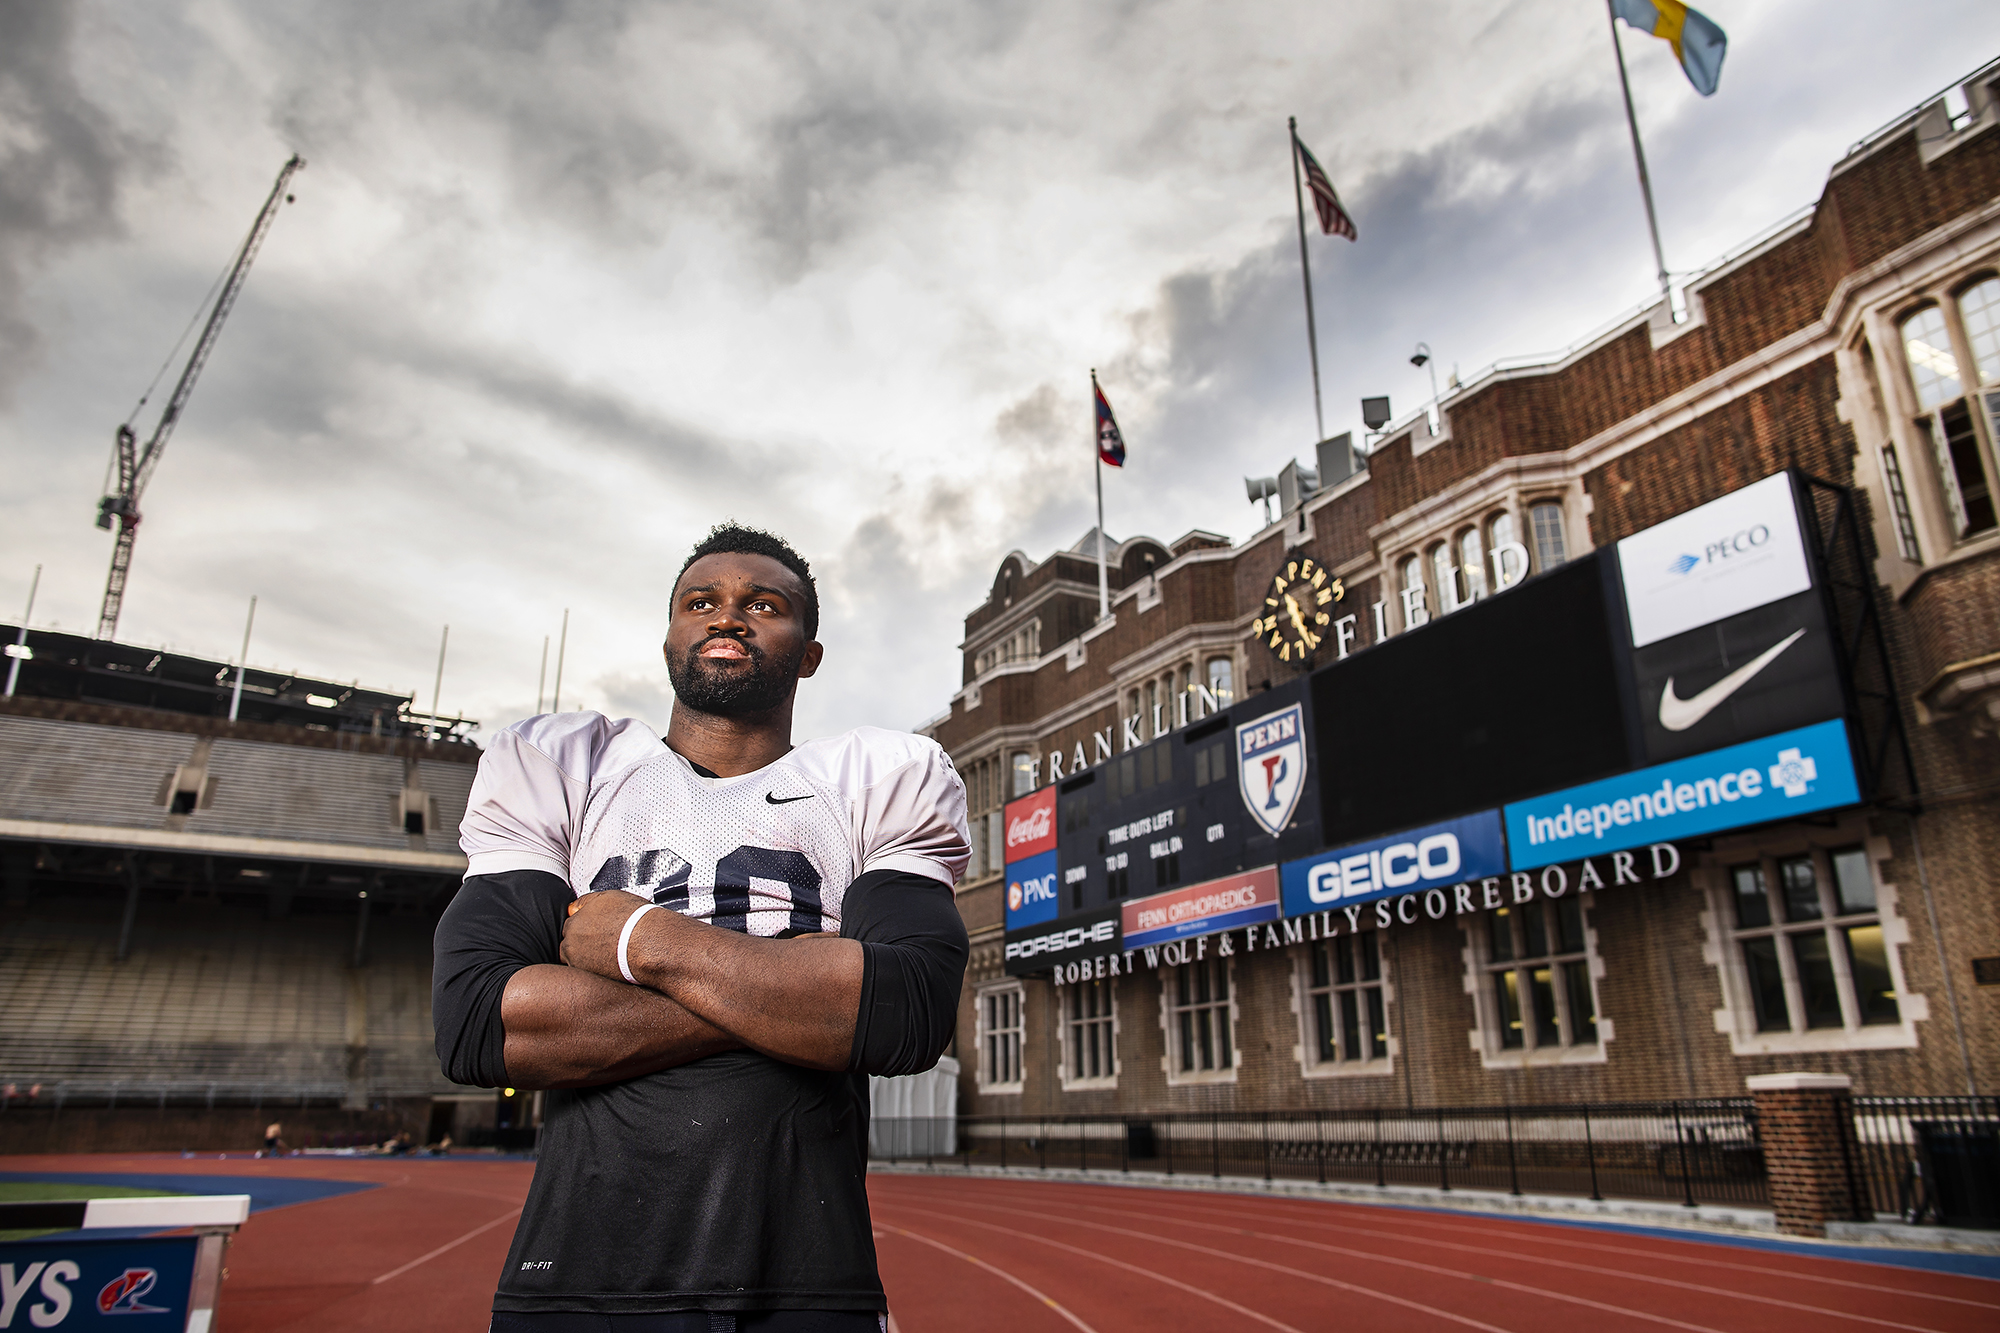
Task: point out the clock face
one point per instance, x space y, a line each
1297 610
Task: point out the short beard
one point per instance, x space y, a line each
724 693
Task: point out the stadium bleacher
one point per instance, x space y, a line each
210 922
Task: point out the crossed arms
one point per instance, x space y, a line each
882 998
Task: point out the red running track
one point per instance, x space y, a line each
424 1249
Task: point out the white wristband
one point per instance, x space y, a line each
625 942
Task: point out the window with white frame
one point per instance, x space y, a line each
1536 966
1471 565
1444 577
1089 1034
1201 1022
1415 611
1545 520
1000 1032
1949 421
1808 931
1024 773
1510 562
1222 681
1023 645
1349 1023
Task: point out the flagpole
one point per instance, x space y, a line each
1639 153
1305 268
21 638
1097 457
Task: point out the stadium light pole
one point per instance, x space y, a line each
437 686
562 646
542 677
242 661
20 648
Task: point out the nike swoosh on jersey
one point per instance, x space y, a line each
1677 714
776 799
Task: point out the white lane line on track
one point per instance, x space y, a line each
1000 1273
448 1245
1205 1294
1585 1268
1565 1297
1415 1231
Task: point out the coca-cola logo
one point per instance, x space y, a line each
1027 828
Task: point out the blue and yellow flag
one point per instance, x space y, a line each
1697 42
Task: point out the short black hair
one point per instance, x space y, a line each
734 539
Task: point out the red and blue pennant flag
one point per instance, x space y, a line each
1110 444
1333 219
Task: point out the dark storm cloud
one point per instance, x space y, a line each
804 122
61 162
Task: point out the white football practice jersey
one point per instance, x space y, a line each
606 805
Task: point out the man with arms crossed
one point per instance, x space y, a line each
702 1166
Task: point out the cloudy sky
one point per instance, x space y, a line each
564 285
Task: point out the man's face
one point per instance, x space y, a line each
737 645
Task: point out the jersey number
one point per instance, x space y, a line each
664 875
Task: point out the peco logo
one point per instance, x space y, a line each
1739 543
1730 555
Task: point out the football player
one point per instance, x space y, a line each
701 947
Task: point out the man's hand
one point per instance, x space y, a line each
794 1000
590 936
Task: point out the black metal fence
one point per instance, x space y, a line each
1929 1159
1687 1152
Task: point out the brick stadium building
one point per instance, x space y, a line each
1858 345
210 924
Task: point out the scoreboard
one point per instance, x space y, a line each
1181 810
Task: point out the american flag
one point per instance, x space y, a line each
1333 219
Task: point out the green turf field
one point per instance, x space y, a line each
35 1191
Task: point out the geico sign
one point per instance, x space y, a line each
1031 827
1061 941
1394 867
1030 891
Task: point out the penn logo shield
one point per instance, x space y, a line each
1271 766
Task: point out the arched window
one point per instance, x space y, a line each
1509 562
1221 681
1416 610
1545 518
1979 311
1933 369
1471 565
1444 578
1948 423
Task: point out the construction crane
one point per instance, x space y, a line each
135 465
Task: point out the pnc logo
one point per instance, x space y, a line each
1029 892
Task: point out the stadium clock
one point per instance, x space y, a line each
1295 610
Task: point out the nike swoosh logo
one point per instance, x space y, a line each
776 799
1677 714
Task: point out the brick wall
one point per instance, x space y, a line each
1806 1127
